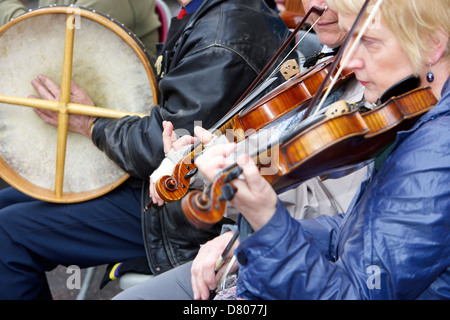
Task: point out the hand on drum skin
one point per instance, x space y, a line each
171 142
255 198
49 90
203 277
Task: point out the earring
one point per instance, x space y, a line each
430 75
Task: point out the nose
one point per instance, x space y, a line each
307 5
319 3
352 60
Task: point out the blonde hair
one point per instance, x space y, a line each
413 22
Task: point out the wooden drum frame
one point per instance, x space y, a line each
69 22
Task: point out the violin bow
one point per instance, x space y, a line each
313 108
252 86
314 101
250 94
320 12
315 9
269 65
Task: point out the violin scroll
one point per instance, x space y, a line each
197 208
166 183
204 209
173 187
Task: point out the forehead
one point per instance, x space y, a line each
376 27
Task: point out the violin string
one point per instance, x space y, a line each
352 49
279 52
350 53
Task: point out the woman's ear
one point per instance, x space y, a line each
438 46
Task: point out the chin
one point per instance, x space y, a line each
331 44
371 97
330 40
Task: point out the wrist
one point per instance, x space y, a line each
260 220
91 127
260 217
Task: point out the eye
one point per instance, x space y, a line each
369 42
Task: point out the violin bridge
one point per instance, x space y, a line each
290 69
338 108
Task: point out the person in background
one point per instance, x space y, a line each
280 4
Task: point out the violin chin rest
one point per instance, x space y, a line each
407 84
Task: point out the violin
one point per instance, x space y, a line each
244 122
346 135
292 94
205 208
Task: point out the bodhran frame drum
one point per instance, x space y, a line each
105 59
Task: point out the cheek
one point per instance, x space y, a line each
306 5
331 37
395 66
378 83
386 73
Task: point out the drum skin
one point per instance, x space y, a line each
108 62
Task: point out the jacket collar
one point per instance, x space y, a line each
193 6
442 107
203 7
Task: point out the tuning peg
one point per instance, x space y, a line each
234 174
228 192
191 173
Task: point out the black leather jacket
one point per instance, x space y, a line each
221 50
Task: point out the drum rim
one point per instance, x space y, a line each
117 27
23 185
